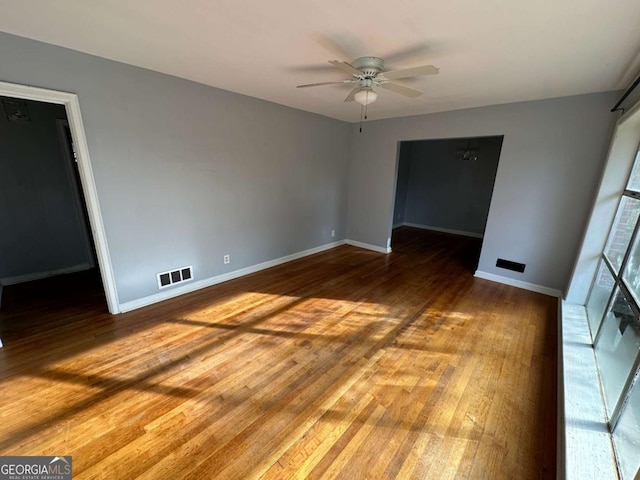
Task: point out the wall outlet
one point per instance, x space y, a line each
226 259
333 233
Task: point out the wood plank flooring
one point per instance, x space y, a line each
347 364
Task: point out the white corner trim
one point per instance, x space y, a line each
444 230
72 107
519 283
561 436
40 275
208 282
368 246
588 450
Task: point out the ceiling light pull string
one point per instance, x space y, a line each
365 110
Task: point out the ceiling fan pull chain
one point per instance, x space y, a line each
362 107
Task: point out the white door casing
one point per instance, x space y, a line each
72 107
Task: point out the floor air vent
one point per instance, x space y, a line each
166 279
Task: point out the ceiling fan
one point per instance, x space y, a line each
368 73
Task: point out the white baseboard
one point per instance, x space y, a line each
519 283
368 246
40 275
443 230
208 282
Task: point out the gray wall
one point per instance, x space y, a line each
550 163
402 184
443 191
41 225
186 173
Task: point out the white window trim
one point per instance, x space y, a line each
585 445
620 158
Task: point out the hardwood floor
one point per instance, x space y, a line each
346 364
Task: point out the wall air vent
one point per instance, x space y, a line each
181 275
509 265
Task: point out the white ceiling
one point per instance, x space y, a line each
488 51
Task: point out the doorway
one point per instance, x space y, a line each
87 200
445 186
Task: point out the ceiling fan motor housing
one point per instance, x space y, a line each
369 66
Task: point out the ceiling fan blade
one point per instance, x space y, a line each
342 46
344 66
417 50
325 83
311 68
401 89
411 72
352 96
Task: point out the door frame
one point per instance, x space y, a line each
70 166
89 191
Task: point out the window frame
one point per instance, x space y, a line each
621 285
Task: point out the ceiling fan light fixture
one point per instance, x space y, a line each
365 96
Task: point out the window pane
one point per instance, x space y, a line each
634 179
627 437
599 297
631 274
617 348
621 231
